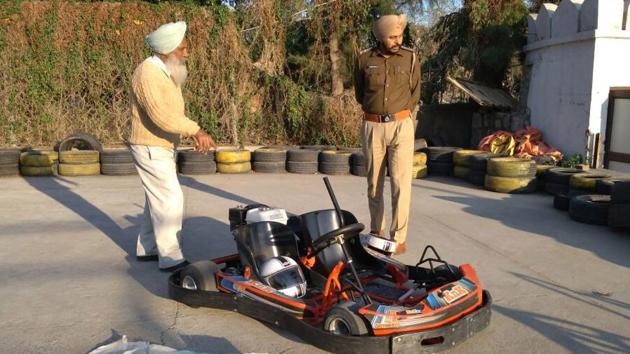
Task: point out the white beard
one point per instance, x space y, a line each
178 70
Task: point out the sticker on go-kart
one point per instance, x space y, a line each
449 294
398 317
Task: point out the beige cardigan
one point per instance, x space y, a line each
157 109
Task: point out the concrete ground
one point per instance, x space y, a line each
69 280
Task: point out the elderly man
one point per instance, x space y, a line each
387 85
157 122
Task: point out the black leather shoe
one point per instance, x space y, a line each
150 258
175 267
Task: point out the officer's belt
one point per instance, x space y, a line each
390 117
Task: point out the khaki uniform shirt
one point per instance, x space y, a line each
387 85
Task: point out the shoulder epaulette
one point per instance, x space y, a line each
407 49
365 51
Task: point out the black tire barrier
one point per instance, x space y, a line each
604 186
575 192
440 154
80 141
439 168
270 167
194 156
619 215
197 168
555 188
269 154
590 209
303 155
9 169
510 184
478 178
561 201
479 162
330 168
302 167
621 192
335 157
420 144
560 175
115 156
118 169
9 156
511 167
358 170
586 181
357 158
461 172
318 147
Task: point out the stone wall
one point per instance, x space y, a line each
486 121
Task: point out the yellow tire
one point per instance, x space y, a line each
419 171
236 167
460 157
586 181
83 169
37 171
511 167
461 172
37 158
510 184
233 156
419 158
79 157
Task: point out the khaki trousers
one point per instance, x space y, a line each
389 145
163 207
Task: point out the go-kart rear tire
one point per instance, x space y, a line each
341 319
202 274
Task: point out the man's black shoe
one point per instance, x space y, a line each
175 267
150 258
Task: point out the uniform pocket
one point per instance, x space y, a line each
375 76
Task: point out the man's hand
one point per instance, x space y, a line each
203 142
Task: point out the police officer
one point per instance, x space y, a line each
387 85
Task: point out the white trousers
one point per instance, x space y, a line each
164 204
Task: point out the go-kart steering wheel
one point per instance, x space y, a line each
349 232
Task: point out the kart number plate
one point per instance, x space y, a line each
454 294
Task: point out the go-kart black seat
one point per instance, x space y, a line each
318 223
258 242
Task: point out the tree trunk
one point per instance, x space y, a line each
335 75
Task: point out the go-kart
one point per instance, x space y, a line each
357 298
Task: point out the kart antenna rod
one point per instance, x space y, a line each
334 200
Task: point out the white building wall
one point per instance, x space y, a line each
573 70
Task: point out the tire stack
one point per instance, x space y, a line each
117 162
461 162
619 208
79 163
590 209
334 162
557 180
270 160
232 161
302 161
541 175
420 169
511 175
9 162
190 162
39 163
440 160
358 166
478 164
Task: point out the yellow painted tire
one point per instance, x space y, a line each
79 157
511 167
461 172
419 158
37 158
419 171
233 156
460 157
510 184
83 169
587 180
37 170
237 167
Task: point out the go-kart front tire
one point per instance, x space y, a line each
199 276
342 320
